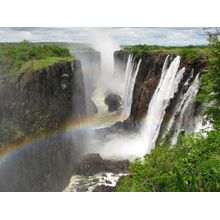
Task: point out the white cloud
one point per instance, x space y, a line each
159 36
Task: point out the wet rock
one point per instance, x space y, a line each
93 163
96 180
113 101
149 75
103 188
126 126
108 182
40 102
82 188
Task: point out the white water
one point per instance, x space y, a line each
102 42
131 72
121 147
130 146
81 183
167 87
177 108
186 120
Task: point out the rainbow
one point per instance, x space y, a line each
70 126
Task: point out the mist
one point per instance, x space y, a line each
102 42
111 79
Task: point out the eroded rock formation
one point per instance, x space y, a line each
149 76
113 101
42 102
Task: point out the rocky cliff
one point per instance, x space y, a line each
149 76
39 103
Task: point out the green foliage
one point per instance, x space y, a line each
190 53
190 166
194 163
210 84
14 57
138 50
37 64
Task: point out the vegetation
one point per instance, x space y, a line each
17 57
24 58
191 53
194 163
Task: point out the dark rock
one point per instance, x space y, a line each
93 163
82 188
95 180
113 101
126 126
108 182
149 76
42 102
103 188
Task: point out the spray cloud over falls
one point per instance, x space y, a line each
102 42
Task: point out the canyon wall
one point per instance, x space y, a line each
149 75
38 104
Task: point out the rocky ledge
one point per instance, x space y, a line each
93 163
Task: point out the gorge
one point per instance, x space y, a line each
68 132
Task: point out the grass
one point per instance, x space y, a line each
192 53
36 65
27 57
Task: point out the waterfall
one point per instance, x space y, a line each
138 145
167 87
101 41
184 115
131 72
177 107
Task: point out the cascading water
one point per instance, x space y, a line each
178 106
167 87
184 115
131 72
130 146
139 145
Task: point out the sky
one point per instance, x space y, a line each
123 35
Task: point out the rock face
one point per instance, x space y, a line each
120 61
57 92
149 75
41 103
93 163
113 101
103 188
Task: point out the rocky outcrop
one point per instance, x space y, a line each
104 188
43 102
51 96
93 163
113 101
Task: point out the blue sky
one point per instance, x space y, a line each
123 35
